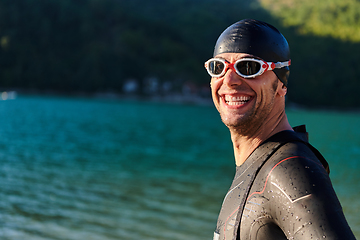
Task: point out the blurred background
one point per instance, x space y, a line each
108 131
158 47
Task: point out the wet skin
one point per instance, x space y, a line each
253 109
244 102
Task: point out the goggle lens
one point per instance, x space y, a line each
248 68
216 67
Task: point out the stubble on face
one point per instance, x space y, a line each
256 116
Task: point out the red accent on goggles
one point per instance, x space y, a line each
245 67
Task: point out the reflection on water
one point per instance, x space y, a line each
95 169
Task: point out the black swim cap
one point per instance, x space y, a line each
256 38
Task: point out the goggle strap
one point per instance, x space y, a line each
282 64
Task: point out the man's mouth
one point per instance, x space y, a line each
239 100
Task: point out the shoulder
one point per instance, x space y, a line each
293 158
293 191
294 169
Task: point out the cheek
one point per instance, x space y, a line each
275 86
265 94
214 86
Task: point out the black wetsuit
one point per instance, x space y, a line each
282 191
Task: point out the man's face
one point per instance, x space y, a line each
245 104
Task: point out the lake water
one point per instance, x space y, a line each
77 168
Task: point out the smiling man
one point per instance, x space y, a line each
281 189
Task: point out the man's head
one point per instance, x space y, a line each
258 39
244 89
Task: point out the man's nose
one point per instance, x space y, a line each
231 78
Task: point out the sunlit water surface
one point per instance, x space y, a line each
75 168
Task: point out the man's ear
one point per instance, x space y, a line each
282 89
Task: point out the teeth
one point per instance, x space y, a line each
235 103
236 99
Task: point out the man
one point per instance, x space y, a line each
281 189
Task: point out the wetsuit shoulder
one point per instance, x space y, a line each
292 198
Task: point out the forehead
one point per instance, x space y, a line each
231 57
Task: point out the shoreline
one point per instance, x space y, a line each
172 98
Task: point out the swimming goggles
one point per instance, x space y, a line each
245 67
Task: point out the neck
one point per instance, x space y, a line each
244 145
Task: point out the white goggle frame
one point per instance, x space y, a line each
264 66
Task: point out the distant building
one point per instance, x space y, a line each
151 85
131 86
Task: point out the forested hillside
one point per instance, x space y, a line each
96 45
